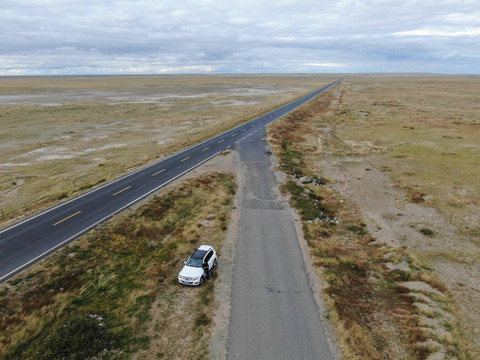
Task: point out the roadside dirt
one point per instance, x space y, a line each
394 220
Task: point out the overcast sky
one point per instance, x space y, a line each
239 36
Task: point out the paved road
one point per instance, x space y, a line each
29 241
274 315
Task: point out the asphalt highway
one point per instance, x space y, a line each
26 242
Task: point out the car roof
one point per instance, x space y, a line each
198 254
204 247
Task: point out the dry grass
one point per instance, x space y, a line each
114 293
60 136
426 132
383 300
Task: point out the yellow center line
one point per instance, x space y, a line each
68 217
233 135
188 157
244 130
118 192
158 172
252 125
206 149
221 141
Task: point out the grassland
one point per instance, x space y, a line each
391 296
114 293
60 136
427 132
424 133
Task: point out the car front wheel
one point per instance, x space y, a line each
202 280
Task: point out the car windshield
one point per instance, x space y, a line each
196 259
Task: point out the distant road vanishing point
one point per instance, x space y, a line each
26 242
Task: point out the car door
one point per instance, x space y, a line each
209 259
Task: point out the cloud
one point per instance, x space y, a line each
160 36
448 33
326 64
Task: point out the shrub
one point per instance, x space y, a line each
79 337
62 196
359 230
426 232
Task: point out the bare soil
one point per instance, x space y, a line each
394 220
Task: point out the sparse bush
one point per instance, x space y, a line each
78 337
426 232
417 196
202 319
62 196
359 230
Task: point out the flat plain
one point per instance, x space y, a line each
393 221
422 134
399 153
61 136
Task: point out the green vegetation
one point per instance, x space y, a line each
89 186
105 295
427 232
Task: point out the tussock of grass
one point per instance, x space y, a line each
427 232
98 297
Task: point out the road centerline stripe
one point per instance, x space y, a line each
104 190
188 157
221 141
118 192
158 172
68 217
206 148
233 135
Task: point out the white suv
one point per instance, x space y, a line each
192 273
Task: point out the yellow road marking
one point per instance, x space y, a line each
221 141
244 130
118 192
188 157
206 149
158 172
252 125
233 135
68 217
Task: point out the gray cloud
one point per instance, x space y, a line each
195 36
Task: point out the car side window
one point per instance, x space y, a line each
209 255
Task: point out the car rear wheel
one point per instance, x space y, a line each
214 263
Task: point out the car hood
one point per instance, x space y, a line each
191 271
